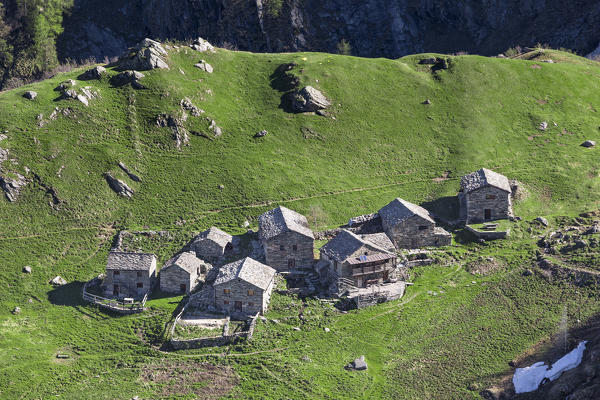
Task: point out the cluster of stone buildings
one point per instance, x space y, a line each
244 286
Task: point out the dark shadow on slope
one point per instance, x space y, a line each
446 209
67 295
283 80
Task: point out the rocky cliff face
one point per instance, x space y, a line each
374 28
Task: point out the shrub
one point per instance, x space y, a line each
344 48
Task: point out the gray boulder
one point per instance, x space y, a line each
309 99
133 176
204 66
428 61
93 73
118 186
588 143
16 310
58 281
215 129
542 221
30 95
261 134
427 102
27 269
126 77
68 84
12 186
146 55
187 104
543 126
202 45
358 364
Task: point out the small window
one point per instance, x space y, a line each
139 274
250 304
490 197
116 273
203 269
140 284
226 302
182 287
422 227
281 247
366 253
295 247
250 292
226 292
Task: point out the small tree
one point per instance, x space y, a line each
317 216
344 48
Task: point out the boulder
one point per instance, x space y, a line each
261 133
12 186
187 104
126 77
58 281
146 55
427 102
543 126
68 84
588 143
428 61
27 269
93 73
118 186
358 364
16 310
215 129
30 95
542 221
309 99
202 45
204 66
69 94
133 176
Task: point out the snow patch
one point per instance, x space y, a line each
529 378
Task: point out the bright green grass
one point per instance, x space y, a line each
383 144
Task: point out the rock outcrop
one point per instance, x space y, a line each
309 99
202 45
12 185
126 77
145 55
118 186
93 73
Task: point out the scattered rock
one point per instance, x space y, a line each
93 73
58 281
133 176
327 329
261 134
62 355
428 61
358 364
306 359
30 95
263 318
16 310
182 72
27 269
542 221
3 137
68 84
204 66
202 45
221 187
543 126
3 155
527 272
126 77
215 129
12 186
146 55
275 321
588 143
297 329
118 186
187 104
309 99
548 61
30 301
427 102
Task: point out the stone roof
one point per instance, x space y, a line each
281 220
484 177
381 240
187 261
346 243
246 269
126 261
398 211
216 235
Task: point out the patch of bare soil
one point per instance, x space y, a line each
175 377
483 267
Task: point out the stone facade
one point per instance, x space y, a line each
242 298
129 279
289 250
416 232
212 244
183 273
487 204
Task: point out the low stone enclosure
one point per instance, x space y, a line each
119 306
212 322
489 231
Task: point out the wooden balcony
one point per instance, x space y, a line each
367 270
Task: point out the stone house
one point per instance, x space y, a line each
485 196
182 273
287 240
410 226
361 261
129 275
243 287
212 244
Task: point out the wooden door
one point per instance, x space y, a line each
487 213
115 290
386 275
237 306
182 288
291 263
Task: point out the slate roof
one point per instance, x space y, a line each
246 269
484 177
216 235
344 244
381 240
281 220
398 211
125 261
187 261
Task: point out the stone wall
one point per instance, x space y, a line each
416 232
497 200
279 259
218 340
238 291
172 277
493 235
127 281
208 250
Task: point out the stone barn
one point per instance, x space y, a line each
485 196
410 226
287 240
361 261
183 273
243 288
212 244
129 275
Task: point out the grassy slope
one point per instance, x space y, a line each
383 143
